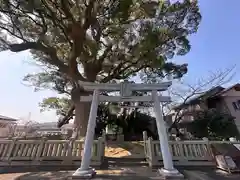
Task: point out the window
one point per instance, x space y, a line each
236 105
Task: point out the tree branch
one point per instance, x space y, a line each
23 46
50 51
67 117
215 79
117 71
66 10
88 15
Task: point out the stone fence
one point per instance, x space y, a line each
69 152
184 153
35 152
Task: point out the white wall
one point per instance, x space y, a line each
230 97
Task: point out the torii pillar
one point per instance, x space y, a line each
85 171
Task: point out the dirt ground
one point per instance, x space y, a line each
125 149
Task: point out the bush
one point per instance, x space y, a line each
213 125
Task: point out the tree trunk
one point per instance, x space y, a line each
82 110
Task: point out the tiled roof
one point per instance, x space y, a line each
7 118
227 89
214 92
208 94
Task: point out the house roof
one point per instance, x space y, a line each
5 118
208 94
214 92
237 86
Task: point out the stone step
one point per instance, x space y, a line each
130 164
126 161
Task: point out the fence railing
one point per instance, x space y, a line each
192 152
66 151
183 152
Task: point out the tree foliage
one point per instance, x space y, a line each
107 39
61 105
137 122
93 40
51 80
132 124
213 125
104 117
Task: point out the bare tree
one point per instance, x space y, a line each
182 92
25 128
11 129
7 129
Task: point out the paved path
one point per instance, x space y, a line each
208 173
114 173
117 173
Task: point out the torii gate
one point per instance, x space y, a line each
125 89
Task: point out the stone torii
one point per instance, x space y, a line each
126 88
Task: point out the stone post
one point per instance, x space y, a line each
168 171
85 171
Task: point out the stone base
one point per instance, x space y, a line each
84 174
170 174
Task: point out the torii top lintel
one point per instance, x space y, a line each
89 86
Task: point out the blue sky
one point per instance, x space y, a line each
215 46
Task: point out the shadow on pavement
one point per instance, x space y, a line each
43 176
66 176
116 173
22 169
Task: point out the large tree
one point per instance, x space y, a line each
93 40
